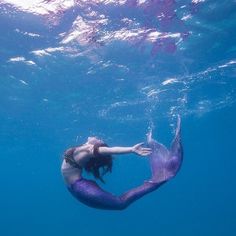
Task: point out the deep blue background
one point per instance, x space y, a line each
34 133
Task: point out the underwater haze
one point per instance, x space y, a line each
116 69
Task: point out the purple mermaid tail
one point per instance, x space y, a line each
164 165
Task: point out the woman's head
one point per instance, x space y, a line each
99 165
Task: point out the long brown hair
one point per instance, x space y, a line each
99 166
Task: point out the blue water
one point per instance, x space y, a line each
115 70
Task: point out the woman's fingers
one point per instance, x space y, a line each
147 149
145 154
142 151
139 145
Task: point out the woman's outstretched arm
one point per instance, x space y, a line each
137 149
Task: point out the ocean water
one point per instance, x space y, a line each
115 69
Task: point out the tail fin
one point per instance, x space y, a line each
165 163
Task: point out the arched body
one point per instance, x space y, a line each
164 165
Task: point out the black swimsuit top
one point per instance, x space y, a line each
69 158
69 155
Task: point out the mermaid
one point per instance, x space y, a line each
96 157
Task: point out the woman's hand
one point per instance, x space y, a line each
139 150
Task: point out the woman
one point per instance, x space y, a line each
96 157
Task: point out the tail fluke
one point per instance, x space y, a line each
165 163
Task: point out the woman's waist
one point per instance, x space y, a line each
70 175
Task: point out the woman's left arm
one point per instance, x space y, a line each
137 149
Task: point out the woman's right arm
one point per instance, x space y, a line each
137 149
